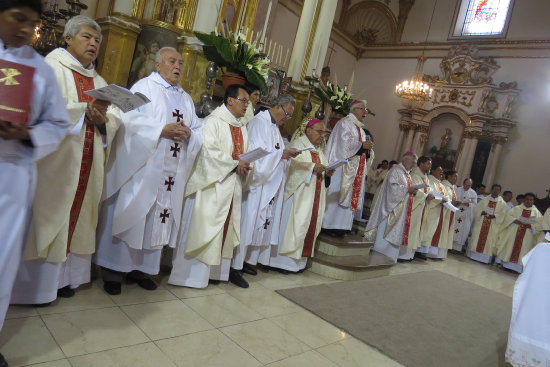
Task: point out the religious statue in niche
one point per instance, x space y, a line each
366 36
443 143
169 11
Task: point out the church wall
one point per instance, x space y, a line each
284 27
342 64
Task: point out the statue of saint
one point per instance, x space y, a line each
445 139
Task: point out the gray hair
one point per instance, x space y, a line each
75 24
285 99
158 55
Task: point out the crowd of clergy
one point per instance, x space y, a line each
84 183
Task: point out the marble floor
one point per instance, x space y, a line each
221 325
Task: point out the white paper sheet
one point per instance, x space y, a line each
304 149
450 206
490 211
420 186
75 131
530 220
253 155
119 96
547 237
336 164
436 194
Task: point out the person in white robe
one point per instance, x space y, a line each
263 192
348 140
61 240
480 191
518 234
508 196
21 146
304 200
450 186
389 224
433 234
529 333
422 199
467 200
543 226
488 217
210 230
148 168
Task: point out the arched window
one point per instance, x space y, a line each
482 18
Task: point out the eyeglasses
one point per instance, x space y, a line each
243 100
288 115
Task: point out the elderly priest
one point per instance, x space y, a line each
212 214
390 221
25 137
148 169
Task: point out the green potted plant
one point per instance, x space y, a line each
242 60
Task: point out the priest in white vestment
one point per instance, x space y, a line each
529 334
210 230
422 198
488 218
508 197
434 233
304 200
467 200
518 234
263 192
389 224
61 240
450 186
543 226
147 172
22 145
348 140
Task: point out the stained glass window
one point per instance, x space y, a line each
485 17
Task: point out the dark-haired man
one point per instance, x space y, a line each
488 217
422 198
518 234
211 218
21 145
507 196
450 186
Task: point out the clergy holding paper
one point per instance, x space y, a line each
61 238
346 193
212 213
147 172
390 221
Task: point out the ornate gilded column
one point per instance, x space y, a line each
249 16
206 17
117 48
301 49
496 150
124 6
194 64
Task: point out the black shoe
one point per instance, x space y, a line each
213 281
248 269
145 283
418 255
39 305
236 278
333 232
282 271
65 292
113 288
3 362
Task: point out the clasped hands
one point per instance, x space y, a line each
484 213
176 131
243 168
11 131
517 221
96 112
367 144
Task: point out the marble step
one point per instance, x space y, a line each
359 225
351 267
349 245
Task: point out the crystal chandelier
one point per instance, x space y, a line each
414 93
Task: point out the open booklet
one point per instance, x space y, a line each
530 220
450 206
119 96
420 186
336 164
547 236
436 194
253 155
304 149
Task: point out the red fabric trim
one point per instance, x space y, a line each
409 212
437 235
238 141
484 232
226 225
310 235
520 235
357 183
451 219
82 84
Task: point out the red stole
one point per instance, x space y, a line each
83 84
452 213
238 149
485 227
520 234
437 235
358 182
310 235
409 211
424 208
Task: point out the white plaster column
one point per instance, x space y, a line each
123 7
298 56
469 158
321 37
462 158
206 17
399 143
408 142
497 149
417 145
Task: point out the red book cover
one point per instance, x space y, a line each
16 85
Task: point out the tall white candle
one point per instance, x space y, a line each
269 49
266 21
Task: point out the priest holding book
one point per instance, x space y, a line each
29 86
61 239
